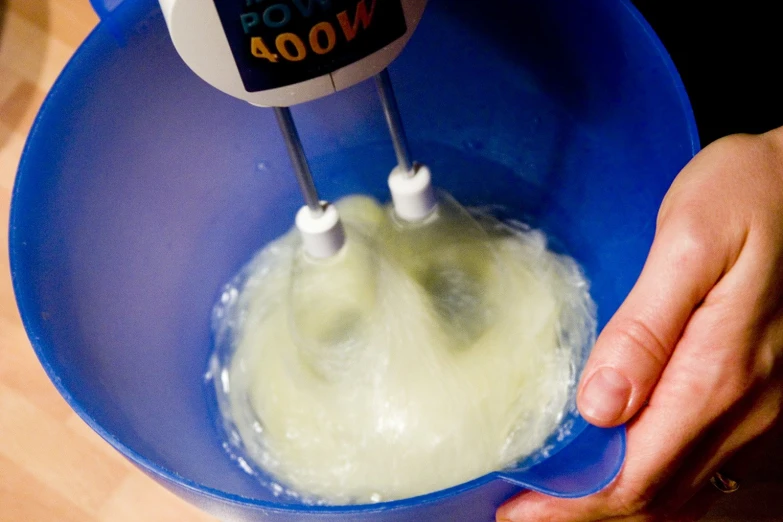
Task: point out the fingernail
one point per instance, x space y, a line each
605 396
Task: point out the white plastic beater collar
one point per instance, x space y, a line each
322 234
412 194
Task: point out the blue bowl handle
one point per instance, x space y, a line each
585 466
103 8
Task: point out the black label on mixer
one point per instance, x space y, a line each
282 42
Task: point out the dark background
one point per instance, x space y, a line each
730 57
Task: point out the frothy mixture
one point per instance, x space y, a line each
420 357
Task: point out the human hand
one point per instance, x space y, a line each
692 359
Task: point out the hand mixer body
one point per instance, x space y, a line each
279 53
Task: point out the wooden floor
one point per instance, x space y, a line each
53 468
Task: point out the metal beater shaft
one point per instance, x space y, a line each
299 160
392 113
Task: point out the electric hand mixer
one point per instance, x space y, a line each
278 54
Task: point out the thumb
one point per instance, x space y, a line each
634 347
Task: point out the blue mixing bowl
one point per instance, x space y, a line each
142 190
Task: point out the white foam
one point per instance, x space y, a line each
420 357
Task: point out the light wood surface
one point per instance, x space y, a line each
52 466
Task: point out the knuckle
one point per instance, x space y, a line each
732 149
681 224
768 357
764 425
693 246
717 161
769 411
688 246
631 500
737 381
702 394
764 365
632 506
729 146
633 333
747 371
715 381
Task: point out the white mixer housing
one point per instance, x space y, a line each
278 53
